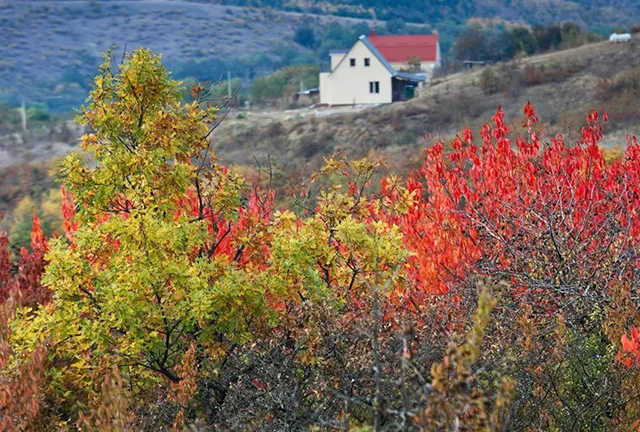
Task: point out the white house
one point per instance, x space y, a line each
379 69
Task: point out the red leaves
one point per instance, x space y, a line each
23 279
630 348
530 114
257 384
37 235
495 209
468 136
529 110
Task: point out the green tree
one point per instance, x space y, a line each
549 37
304 36
396 26
283 83
572 35
471 45
489 81
519 40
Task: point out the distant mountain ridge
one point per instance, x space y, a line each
591 13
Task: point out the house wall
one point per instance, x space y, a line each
335 59
348 85
325 89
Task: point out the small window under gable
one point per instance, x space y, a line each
352 62
374 87
367 62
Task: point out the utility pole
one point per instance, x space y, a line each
23 115
229 82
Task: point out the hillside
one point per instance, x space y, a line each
563 86
52 49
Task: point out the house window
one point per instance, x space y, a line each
352 62
374 86
366 62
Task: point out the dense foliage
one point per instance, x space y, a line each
492 289
499 43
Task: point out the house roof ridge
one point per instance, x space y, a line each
378 54
373 51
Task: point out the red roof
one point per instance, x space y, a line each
398 48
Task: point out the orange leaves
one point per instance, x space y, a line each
20 393
68 213
630 345
37 235
630 348
110 410
183 391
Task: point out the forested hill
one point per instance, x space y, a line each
52 48
591 13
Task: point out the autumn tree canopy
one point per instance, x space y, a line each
494 288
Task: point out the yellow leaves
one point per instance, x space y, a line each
88 141
378 244
366 166
361 168
98 82
614 154
394 182
285 220
80 364
307 358
332 165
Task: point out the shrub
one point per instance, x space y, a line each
489 81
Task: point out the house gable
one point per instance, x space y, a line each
355 49
367 81
361 76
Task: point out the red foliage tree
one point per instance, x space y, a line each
23 278
548 217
